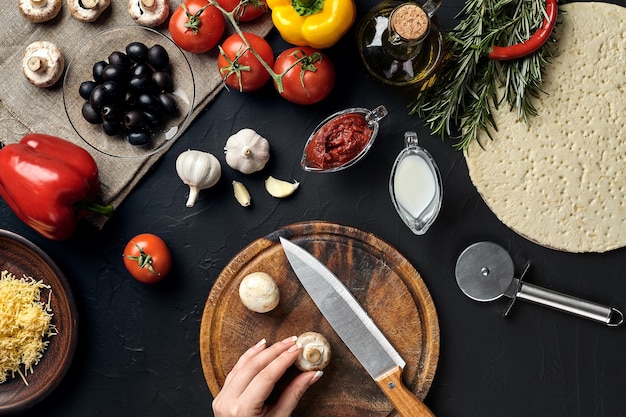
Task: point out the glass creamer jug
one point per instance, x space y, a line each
415 186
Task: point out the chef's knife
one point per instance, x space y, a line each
355 328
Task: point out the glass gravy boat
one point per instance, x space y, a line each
415 186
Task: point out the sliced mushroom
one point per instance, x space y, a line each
315 353
38 11
43 63
87 10
149 13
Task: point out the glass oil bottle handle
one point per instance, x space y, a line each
573 305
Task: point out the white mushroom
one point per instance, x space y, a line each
315 353
87 10
43 63
258 292
149 13
38 11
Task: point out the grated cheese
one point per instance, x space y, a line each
24 323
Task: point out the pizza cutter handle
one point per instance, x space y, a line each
569 304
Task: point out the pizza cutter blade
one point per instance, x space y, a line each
485 272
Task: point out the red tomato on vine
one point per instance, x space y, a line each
238 65
309 75
196 26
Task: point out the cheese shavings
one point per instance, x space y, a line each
25 321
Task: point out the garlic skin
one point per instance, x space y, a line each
199 170
247 151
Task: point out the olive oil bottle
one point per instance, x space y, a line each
401 43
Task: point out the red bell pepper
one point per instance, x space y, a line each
49 183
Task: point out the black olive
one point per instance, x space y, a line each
158 57
143 69
134 120
137 51
114 91
114 72
97 70
163 81
112 113
98 97
138 138
85 89
169 103
90 114
120 59
111 128
149 103
131 98
140 83
152 120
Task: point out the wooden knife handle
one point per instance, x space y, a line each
403 400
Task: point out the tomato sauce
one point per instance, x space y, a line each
338 141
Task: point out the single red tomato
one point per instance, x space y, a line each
147 258
248 9
239 67
196 26
309 75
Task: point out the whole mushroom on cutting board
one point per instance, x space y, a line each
315 353
259 293
38 11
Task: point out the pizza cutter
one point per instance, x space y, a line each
485 272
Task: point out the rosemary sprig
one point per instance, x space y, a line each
465 92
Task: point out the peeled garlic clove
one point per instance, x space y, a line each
279 188
241 194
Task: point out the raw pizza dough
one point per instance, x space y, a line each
560 180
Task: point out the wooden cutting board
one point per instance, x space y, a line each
382 280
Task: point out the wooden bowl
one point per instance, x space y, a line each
381 279
21 257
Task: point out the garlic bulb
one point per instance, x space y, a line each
247 151
199 170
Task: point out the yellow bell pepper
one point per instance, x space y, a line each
315 23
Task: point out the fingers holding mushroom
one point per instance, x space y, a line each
258 292
150 13
43 63
315 353
87 10
38 11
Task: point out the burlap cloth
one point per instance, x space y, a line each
25 108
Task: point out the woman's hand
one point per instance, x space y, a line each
253 377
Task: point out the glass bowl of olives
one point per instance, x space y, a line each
129 91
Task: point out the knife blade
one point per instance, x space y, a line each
355 328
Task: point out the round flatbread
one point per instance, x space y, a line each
560 180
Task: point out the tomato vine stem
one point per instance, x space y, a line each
276 77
